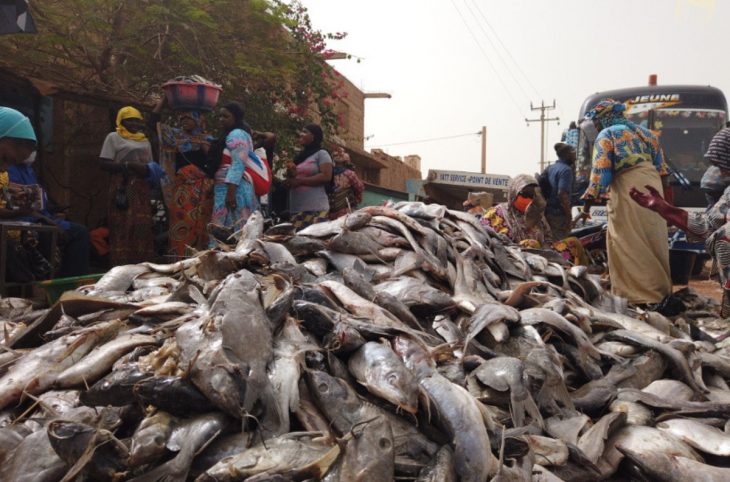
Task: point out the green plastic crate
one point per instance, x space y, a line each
54 288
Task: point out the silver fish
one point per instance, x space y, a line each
98 362
675 468
37 371
150 439
461 415
699 435
232 348
381 372
304 454
507 373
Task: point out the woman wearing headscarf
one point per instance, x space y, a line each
348 188
18 145
126 154
522 220
711 226
626 155
234 198
189 197
310 172
17 138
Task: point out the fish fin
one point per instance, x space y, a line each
486 416
517 410
197 296
533 411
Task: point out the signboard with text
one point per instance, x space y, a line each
472 180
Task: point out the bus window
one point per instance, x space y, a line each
685 134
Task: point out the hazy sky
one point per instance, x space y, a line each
439 73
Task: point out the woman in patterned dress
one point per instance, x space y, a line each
522 220
625 156
126 155
233 195
189 198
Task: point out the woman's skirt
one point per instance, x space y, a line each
233 219
131 230
303 219
637 244
190 209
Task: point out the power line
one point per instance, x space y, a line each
484 17
489 61
496 50
431 139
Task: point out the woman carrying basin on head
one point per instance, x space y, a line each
189 198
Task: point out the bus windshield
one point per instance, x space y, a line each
684 134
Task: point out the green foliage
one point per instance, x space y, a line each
265 53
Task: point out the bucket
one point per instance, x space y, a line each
680 265
191 95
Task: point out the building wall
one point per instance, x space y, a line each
71 170
397 173
413 161
351 109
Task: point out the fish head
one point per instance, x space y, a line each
330 391
414 356
357 220
69 439
399 387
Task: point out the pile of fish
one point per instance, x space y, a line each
399 342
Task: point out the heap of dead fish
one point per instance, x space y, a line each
399 342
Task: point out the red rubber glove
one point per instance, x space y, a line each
653 200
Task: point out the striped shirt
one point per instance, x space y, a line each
719 151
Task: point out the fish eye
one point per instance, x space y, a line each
384 443
322 387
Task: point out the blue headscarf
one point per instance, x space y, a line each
16 125
609 112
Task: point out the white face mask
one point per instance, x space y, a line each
589 129
30 159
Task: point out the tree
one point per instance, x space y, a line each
265 53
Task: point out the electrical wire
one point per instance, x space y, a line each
496 50
484 17
489 61
431 139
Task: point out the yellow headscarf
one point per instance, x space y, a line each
129 112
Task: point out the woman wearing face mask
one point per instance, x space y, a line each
309 173
522 220
126 154
234 198
626 155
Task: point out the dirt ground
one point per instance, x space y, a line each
709 288
704 286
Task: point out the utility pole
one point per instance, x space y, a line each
484 149
542 120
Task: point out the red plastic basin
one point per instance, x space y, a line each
191 95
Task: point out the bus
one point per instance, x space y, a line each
684 117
